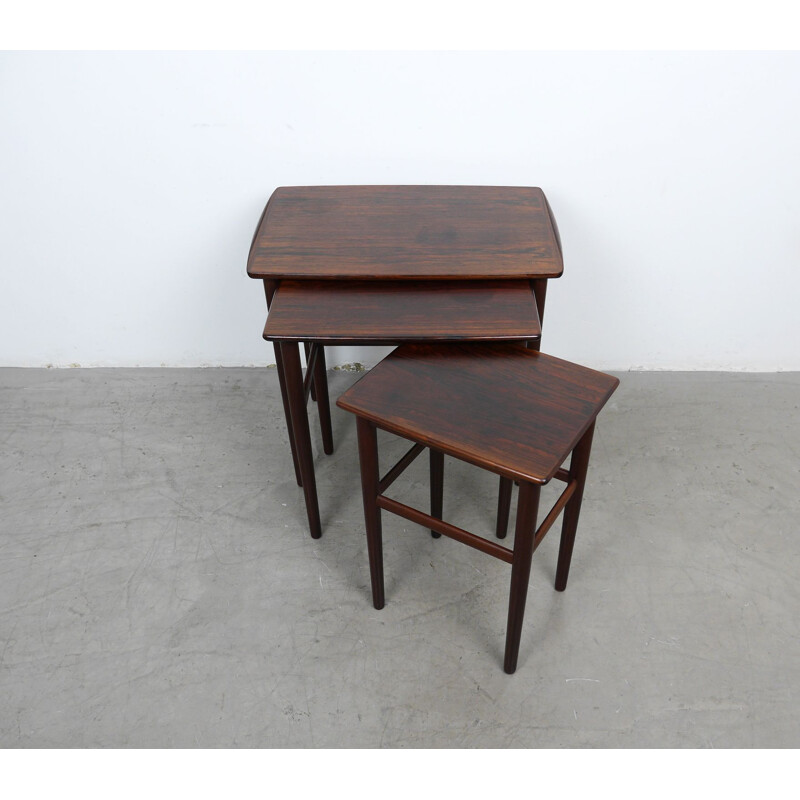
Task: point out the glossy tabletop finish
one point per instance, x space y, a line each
406 232
506 408
396 311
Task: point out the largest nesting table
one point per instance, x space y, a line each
358 265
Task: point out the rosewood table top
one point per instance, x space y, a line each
502 407
406 232
389 312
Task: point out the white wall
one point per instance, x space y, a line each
130 184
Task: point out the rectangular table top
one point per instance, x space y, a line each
502 407
399 311
406 232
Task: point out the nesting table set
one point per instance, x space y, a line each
457 277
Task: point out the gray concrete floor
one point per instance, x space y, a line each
159 587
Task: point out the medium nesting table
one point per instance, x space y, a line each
390 264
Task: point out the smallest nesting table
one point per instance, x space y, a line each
505 408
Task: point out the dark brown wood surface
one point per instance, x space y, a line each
300 434
527 511
406 232
506 408
578 469
395 311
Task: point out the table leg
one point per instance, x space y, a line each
313 392
503 506
437 485
539 292
290 355
323 401
370 477
578 467
287 411
270 287
527 510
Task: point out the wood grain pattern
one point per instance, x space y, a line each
396 311
505 408
406 232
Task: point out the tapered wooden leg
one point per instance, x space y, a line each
539 292
287 411
503 506
270 287
323 402
368 458
312 388
578 467
437 486
290 354
527 510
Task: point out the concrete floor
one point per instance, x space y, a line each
159 588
